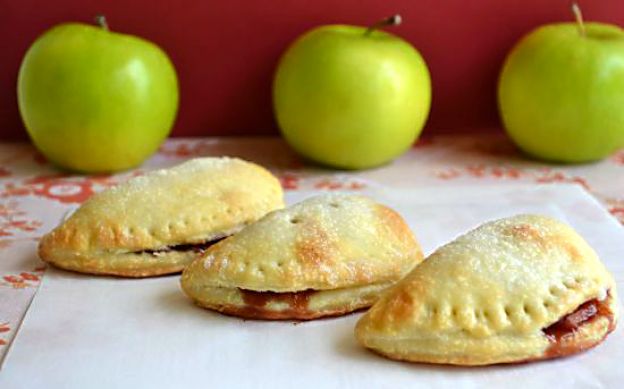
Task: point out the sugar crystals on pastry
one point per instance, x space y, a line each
157 223
325 256
514 290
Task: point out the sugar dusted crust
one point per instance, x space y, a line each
488 296
196 201
325 242
330 242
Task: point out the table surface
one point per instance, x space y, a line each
34 195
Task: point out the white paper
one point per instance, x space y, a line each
97 332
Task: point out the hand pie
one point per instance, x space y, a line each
157 223
513 290
326 256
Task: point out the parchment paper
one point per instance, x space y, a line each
99 332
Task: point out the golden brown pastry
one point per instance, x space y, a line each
325 256
513 290
157 223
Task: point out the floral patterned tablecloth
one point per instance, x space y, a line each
34 196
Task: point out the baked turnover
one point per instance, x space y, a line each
326 256
157 223
514 290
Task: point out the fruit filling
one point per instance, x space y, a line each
584 314
256 304
195 247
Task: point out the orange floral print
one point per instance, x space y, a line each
544 175
560 177
24 279
67 192
289 181
15 281
61 188
29 276
4 327
618 157
448 174
14 220
482 171
332 184
616 207
186 149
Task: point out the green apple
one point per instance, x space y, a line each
96 101
351 97
561 92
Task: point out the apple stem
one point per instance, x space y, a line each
393 20
576 10
101 21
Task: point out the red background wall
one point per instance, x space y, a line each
225 51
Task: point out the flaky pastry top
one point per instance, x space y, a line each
199 200
325 242
508 278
